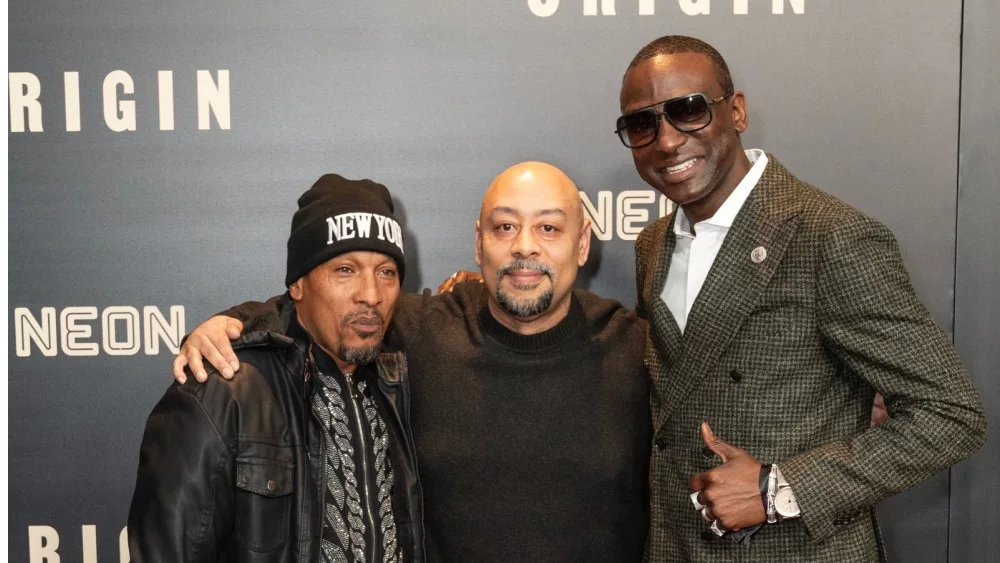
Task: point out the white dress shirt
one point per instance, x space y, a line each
698 245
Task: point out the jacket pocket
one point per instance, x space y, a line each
263 501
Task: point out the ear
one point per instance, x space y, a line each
739 112
479 245
584 243
295 290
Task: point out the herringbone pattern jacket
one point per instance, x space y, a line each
783 357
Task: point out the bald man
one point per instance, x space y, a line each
530 409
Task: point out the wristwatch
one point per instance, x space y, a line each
784 499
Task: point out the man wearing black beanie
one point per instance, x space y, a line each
530 401
309 453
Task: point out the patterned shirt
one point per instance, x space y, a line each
358 524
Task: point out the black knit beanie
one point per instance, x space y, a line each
336 216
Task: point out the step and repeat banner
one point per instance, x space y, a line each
156 150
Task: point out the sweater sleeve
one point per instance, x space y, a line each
182 507
872 321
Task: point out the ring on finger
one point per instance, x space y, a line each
706 516
717 529
694 499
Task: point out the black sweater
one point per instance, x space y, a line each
530 448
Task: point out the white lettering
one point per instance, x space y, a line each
694 7
546 8
390 233
364 223
543 8
740 7
27 330
334 230
346 226
165 81
120 111
399 235
23 89
43 541
213 97
157 328
628 215
120 326
600 217
71 85
380 220
89 535
109 324
590 7
71 331
123 554
798 6
119 115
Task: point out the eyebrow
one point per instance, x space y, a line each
511 211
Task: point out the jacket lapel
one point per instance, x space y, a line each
735 282
666 334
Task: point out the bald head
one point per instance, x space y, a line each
539 183
531 238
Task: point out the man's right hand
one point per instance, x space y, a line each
458 277
210 341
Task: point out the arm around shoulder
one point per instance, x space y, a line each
258 316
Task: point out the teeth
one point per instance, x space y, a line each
681 167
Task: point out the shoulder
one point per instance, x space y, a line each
416 313
464 299
821 213
264 373
609 317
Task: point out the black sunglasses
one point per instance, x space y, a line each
687 114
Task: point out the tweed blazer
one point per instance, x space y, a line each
783 356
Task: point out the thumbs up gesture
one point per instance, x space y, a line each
731 491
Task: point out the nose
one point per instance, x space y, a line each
525 244
367 289
668 138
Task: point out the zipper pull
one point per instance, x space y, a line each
350 386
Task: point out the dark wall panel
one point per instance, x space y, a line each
975 484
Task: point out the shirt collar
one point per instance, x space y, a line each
726 214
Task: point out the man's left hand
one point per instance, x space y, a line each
731 491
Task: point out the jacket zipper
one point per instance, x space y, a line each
364 462
311 416
413 452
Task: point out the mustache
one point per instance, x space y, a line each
525 264
365 316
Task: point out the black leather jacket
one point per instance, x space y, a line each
216 484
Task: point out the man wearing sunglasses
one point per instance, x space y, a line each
776 313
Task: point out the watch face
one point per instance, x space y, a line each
784 503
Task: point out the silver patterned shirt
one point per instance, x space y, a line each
358 524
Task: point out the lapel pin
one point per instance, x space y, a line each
758 255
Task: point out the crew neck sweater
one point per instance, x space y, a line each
529 448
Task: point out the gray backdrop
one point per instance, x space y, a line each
433 99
